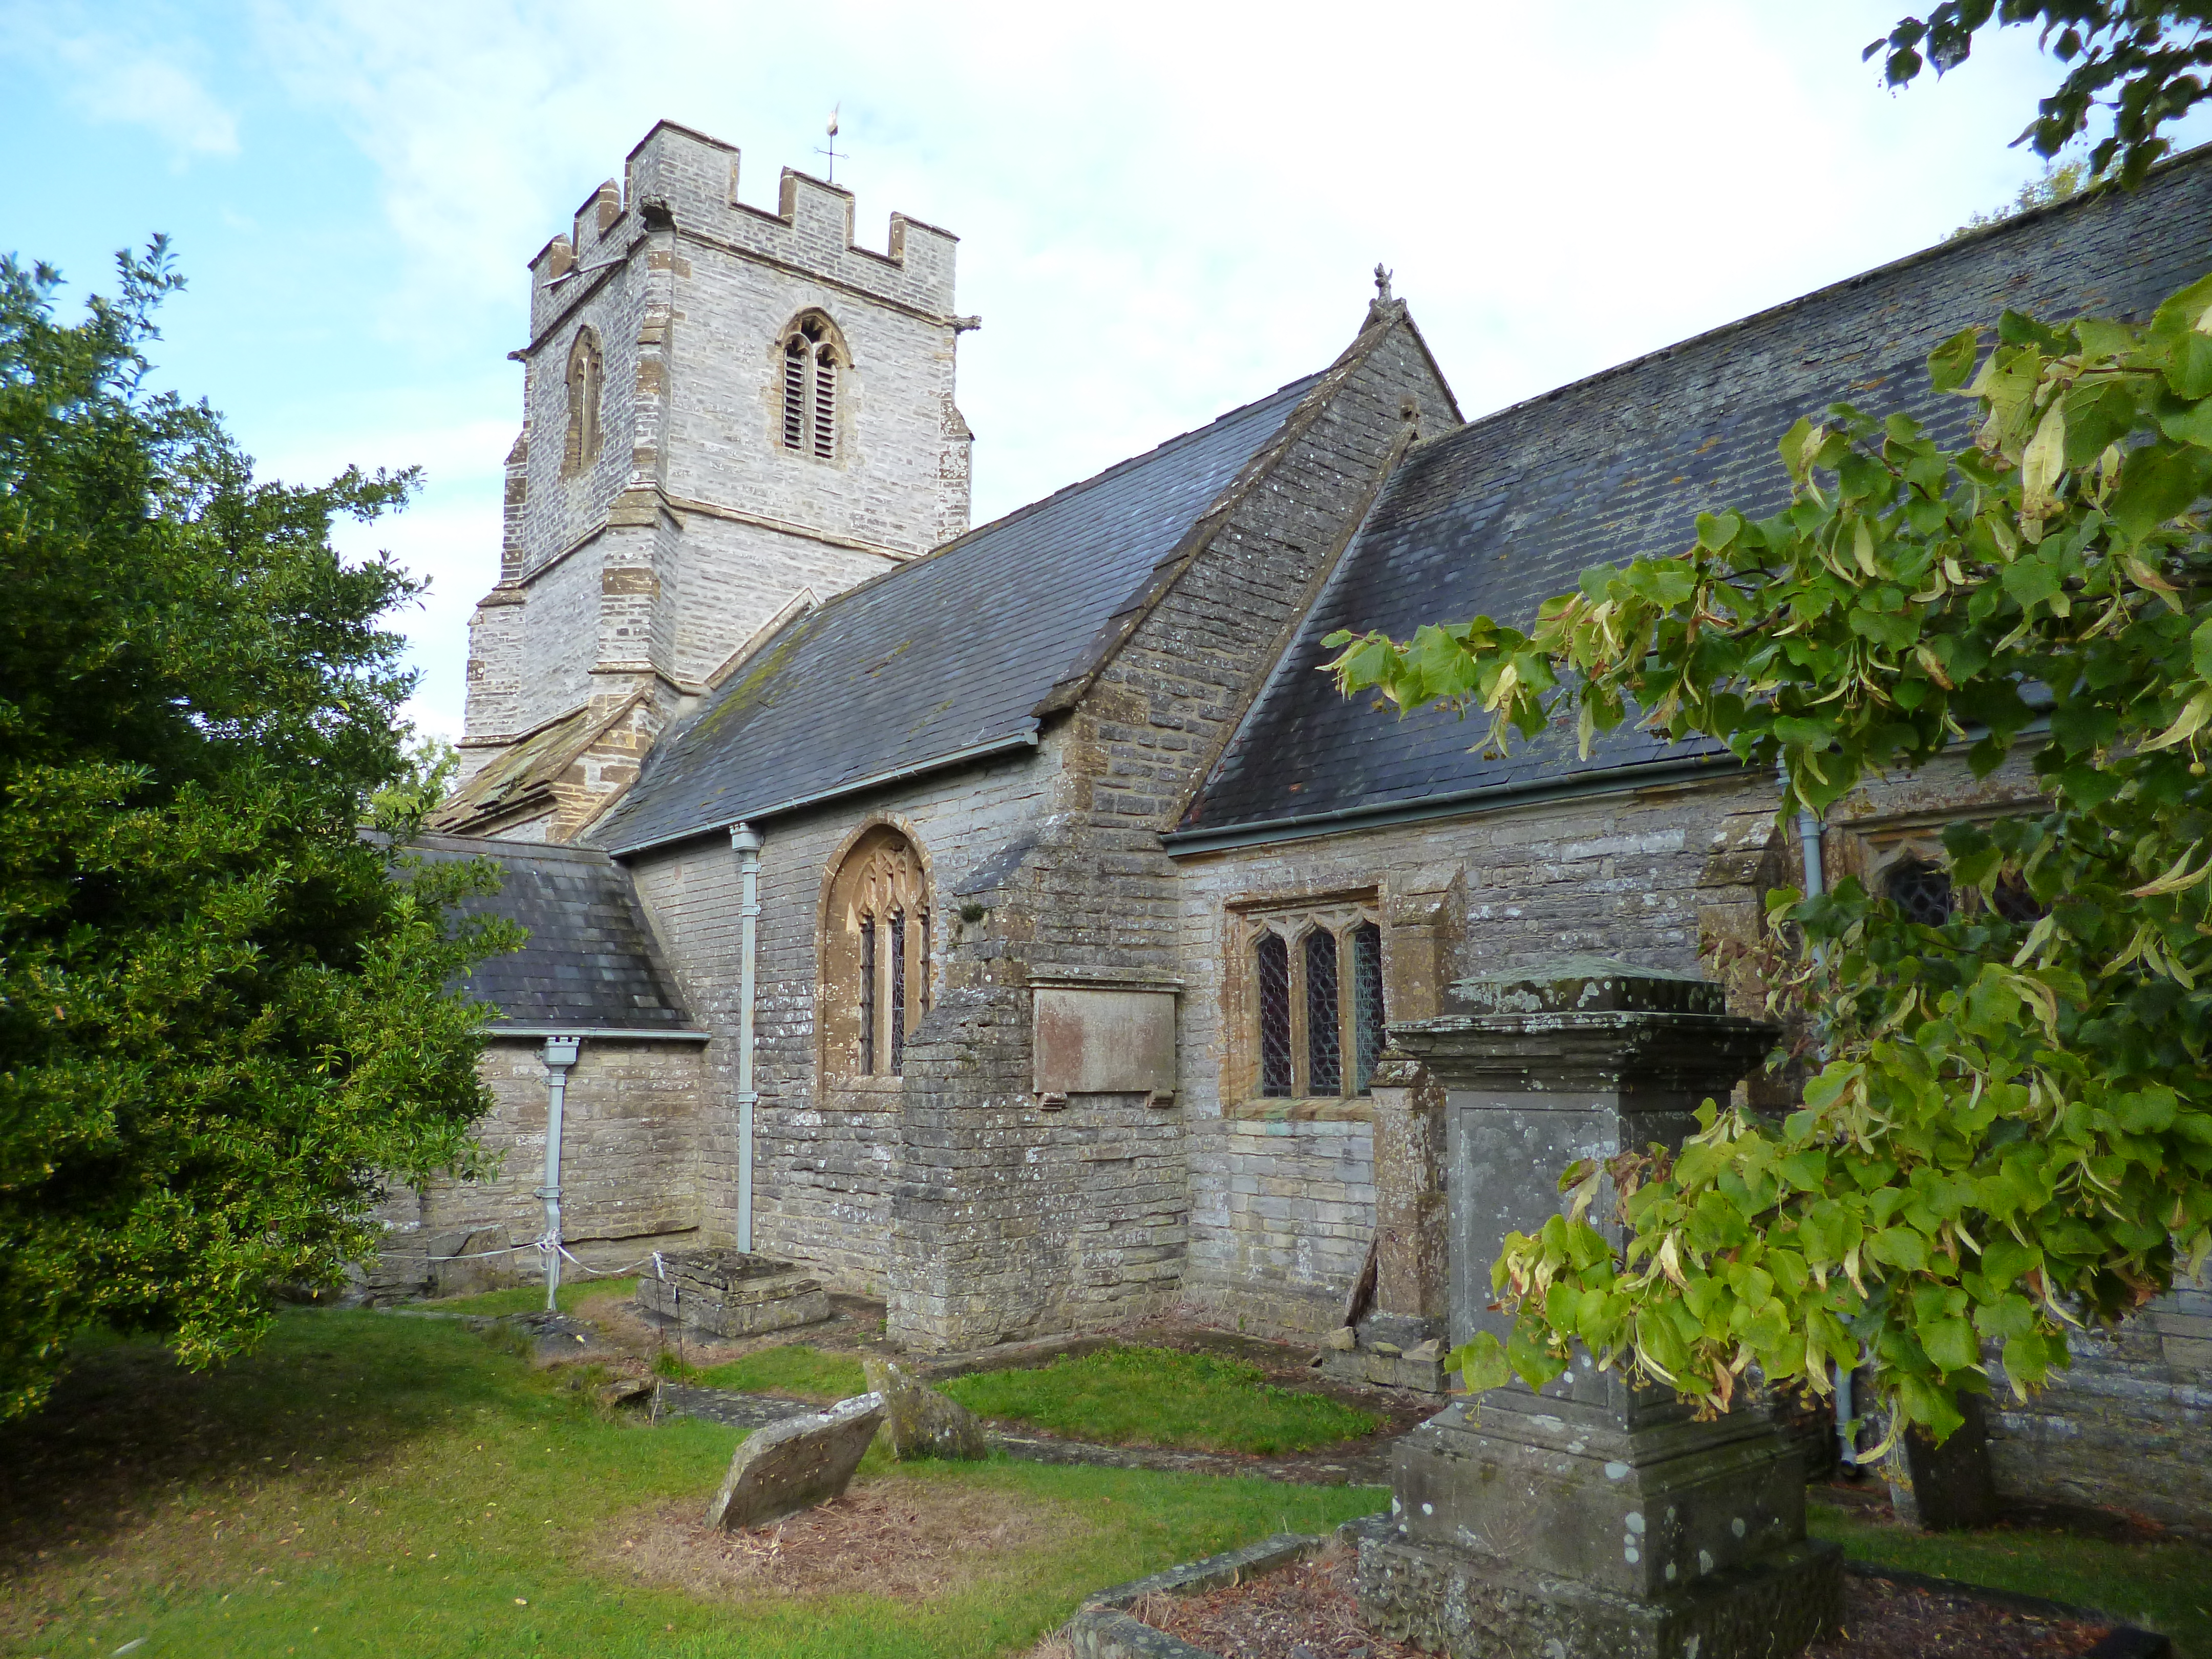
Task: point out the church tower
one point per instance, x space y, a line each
728 415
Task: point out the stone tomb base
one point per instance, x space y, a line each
731 1293
1473 1607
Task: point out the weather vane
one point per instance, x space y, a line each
830 150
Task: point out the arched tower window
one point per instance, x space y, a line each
875 958
584 374
811 357
1922 889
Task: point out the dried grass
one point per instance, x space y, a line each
907 1539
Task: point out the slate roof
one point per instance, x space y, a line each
590 962
1498 516
948 655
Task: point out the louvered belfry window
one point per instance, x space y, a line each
1315 980
810 363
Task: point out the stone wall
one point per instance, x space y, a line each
825 1167
1655 876
631 1125
2128 1427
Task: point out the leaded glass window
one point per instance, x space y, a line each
1272 958
2013 901
867 993
1921 889
875 962
1324 1034
1313 982
1367 1016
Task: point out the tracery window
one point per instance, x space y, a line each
1315 1018
811 357
584 374
1921 887
875 985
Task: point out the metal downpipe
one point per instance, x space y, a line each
747 842
560 1053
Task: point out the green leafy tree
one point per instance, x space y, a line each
2141 62
2060 181
2013 1132
2010 1135
223 1011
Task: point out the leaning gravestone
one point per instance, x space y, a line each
733 1293
1594 1519
923 1423
795 1464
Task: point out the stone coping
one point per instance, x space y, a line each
1356 1109
1103 1628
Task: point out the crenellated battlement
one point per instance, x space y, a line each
685 182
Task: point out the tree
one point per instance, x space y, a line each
2142 61
2011 1134
222 1011
2059 181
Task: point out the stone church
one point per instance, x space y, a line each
1005 921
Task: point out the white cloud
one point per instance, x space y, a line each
1165 209
114 78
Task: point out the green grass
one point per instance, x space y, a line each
366 1486
2164 1587
793 1369
1128 1397
529 1298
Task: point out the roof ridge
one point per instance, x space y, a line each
1948 246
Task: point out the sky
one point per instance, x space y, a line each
1164 210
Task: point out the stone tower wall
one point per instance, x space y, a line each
649 564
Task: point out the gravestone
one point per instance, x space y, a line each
922 1422
733 1293
795 1464
1595 1519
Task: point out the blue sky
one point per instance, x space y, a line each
1165 209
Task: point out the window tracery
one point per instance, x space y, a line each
812 356
875 986
1315 1017
585 373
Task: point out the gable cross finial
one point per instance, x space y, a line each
1383 283
830 150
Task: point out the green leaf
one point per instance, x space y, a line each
2188 365
1951 1343
1481 1361
2156 485
1899 1247
1950 363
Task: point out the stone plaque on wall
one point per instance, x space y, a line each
1105 1039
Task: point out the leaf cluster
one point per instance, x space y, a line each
2012 1134
222 1020
2143 61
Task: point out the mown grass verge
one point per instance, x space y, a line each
2164 1586
1134 1397
796 1370
366 1485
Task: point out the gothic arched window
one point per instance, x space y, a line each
811 359
586 369
1316 990
875 981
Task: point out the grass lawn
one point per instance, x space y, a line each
1129 1396
529 1298
2163 1587
368 1485
794 1369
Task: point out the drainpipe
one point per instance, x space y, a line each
560 1054
747 842
1816 883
